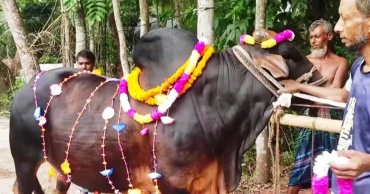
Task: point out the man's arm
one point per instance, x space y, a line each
336 94
340 75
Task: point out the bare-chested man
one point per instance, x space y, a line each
335 69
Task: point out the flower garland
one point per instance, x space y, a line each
65 165
320 179
189 74
55 90
282 36
184 82
107 114
154 96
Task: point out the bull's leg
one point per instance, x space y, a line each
26 172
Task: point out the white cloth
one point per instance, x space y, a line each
284 100
348 85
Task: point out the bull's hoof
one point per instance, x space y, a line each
15 190
15 187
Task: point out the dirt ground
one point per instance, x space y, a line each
7 172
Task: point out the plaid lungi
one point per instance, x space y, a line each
305 148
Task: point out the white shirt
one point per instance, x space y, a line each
348 83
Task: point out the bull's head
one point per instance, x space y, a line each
282 61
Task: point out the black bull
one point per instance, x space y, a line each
217 120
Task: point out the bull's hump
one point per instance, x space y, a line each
161 52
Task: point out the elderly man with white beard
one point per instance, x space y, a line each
311 143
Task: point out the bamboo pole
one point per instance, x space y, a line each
315 123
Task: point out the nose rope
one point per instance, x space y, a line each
306 76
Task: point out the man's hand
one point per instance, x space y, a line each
291 86
358 163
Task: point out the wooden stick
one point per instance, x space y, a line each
315 123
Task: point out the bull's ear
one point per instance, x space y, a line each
275 64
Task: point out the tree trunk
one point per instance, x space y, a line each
104 45
91 39
114 31
113 70
144 17
263 163
29 60
122 38
178 11
66 38
80 28
205 20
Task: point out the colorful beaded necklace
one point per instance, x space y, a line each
190 71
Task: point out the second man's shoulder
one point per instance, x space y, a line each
340 60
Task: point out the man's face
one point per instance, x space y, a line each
85 64
352 26
319 40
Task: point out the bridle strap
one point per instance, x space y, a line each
258 72
265 78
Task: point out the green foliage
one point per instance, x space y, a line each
34 22
7 98
7 46
249 162
4 101
96 11
234 18
48 59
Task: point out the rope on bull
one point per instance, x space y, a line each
274 126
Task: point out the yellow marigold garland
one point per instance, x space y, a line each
153 95
198 70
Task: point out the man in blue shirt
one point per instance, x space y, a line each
354 142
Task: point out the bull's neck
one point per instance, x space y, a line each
235 108
240 102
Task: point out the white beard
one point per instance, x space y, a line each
319 53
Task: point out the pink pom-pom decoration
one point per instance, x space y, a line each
199 47
131 113
123 87
320 184
156 114
241 39
282 36
144 131
179 85
345 186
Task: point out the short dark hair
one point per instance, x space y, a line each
86 54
